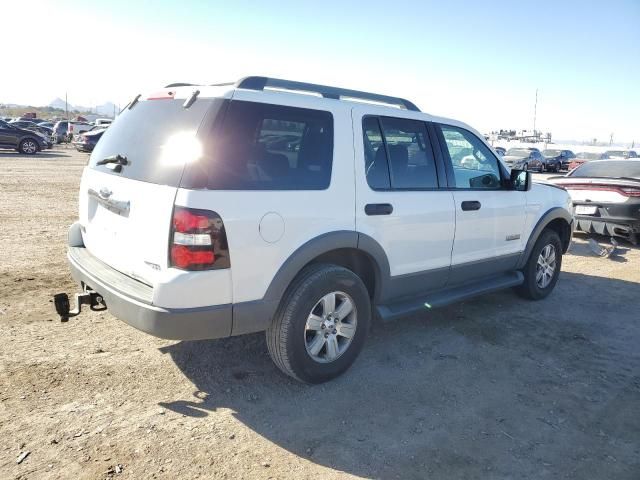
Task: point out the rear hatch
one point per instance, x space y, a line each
125 210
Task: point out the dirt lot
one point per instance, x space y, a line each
492 388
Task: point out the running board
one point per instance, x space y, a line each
446 297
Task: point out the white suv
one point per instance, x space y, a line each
303 210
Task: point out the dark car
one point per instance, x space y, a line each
85 142
524 159
500 151
606 197
28 125
557 160
20 139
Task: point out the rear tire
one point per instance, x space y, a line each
543 267
305 339
28 146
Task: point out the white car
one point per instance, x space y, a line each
304 211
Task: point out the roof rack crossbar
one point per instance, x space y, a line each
260 83
180 84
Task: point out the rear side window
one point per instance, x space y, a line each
155 136
398 154
261 146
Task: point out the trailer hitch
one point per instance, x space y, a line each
88 297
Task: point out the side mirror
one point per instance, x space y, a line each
520 180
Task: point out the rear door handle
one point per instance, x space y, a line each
378 209
471 205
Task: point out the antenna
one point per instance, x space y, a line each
535 111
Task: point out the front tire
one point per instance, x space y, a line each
28 146
543 267
321 324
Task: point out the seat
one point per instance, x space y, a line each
399 163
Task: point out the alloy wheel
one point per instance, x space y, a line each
330 327
546 266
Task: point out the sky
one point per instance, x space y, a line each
479 62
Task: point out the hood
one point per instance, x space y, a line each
513 158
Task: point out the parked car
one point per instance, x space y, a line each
75 128
500 151
584 157
606 197
85 142
20 139
42 130
60 131
65 130
557 160
525 159
620 154
194 228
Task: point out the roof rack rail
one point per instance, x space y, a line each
260 83
179 84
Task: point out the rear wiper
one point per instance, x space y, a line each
115 159
189 101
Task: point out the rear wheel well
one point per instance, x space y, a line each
563 229
355 260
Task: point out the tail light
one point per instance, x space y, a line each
625 191
198 240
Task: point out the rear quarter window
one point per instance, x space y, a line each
259 146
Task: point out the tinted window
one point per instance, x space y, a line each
156 137
398 154
608 169
376 167
474 166
269 147
409 154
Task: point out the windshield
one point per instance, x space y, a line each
589 155
552 153
612 169
518 152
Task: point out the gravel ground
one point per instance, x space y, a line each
497 387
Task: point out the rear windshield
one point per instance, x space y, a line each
260 146
608 169
157 137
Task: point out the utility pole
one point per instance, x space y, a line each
535 111
611 139
66 107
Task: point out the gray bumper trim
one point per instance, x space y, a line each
175 324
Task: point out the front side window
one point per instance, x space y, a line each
270 147
474 166
398 154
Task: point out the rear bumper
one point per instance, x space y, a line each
608 226
619 220
130 301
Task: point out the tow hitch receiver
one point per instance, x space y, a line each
89 297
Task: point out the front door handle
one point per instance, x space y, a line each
471 205
378 209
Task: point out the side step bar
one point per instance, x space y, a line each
449 296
